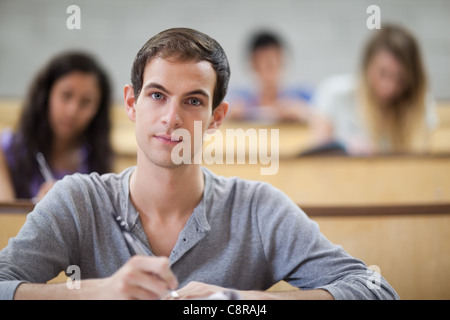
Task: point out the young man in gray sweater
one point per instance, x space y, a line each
197 233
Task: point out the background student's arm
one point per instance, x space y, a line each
324 105
431 123
44 189
6 186
321 128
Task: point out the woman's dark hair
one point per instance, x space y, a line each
183 44
34 133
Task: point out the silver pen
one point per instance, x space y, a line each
44 168
136 247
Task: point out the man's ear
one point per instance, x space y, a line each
218 116
129 100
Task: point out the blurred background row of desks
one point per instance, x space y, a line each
339 180
407 244
293 138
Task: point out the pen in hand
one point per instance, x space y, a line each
44 168
135 247
48 178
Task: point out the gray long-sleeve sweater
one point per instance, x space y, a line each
242 235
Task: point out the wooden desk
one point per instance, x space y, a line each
17 206
440 140
443 111
10 224
411 251
12 218
408 243
348 180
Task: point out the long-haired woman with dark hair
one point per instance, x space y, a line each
66 119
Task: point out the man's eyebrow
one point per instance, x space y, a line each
154 85
199 91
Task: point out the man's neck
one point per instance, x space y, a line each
166 193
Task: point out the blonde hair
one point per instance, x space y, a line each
399 127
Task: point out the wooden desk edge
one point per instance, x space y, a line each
376 210
24 206
18 206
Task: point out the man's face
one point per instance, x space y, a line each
174 94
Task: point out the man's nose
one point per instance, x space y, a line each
172 117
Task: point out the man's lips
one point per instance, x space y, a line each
169 139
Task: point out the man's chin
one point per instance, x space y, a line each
166 162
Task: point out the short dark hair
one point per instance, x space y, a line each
264 39
183 44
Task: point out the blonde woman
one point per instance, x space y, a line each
387 108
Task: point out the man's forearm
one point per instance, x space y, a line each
53 291
317 294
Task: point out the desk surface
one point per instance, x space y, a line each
348 180
409 244
344 180
17 206
410 251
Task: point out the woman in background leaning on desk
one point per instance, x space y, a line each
387 109
66 118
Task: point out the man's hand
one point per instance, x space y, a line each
142 277
196 290
199 290
43 190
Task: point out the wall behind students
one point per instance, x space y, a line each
324 36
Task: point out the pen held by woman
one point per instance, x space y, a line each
48 177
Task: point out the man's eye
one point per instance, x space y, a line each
157 96
195 101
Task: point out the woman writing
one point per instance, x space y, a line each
387 109
66 119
